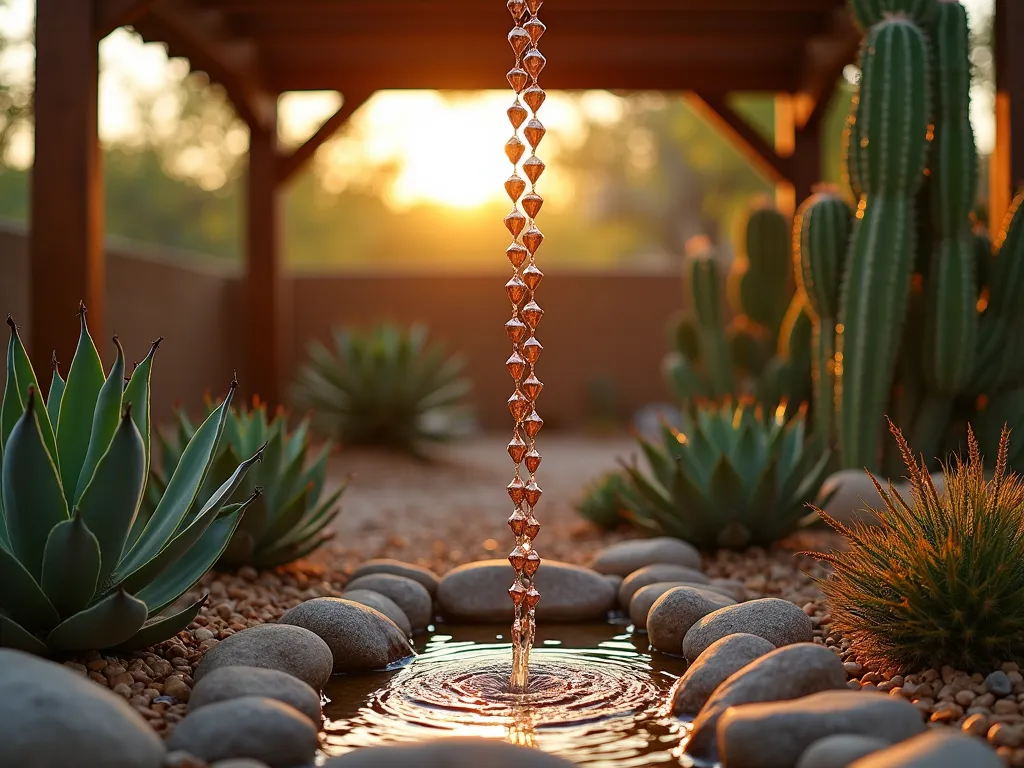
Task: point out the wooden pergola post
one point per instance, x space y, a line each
264 312
1006 172
66 260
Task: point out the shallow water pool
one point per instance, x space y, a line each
596 696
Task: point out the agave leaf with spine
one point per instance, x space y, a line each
728 479
79 569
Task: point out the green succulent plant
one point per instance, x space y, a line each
602 502
938 580
386 387
289 520
79 568
730 478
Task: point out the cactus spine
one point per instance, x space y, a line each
821 234
895 113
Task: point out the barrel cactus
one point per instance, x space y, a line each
289 520
730 478
79 569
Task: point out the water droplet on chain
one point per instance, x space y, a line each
516 290
532 349
534 132
534 97
518 593
533 493
518 79
536 28
519 406
517 115
533 167
517 558
515 187
515 222
532 424
517 254
515 492
532 314
532 204
532 597
532 277
516 330
516 366
532 563
514 149
533 460
520 40
532 239
534 62
532 388
517 449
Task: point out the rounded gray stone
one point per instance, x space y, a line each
785 673
235 682
239 762
731 587
839 750
998 683
777 621
283 647
478 592
417 573
411 596
51 717
615 581
459 752
381 603
652 574
676 611
645 597
775 734
718 663
935 748
360 638
251 726
625 557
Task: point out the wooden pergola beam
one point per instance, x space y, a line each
288 165
752 144
1006 175
108 15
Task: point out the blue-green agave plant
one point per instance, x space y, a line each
79 569
730 478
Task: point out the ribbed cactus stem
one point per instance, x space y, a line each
895 105
705 287
870 12
760 276
821 235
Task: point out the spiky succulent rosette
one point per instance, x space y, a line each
940 579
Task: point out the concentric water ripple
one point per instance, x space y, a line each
599 705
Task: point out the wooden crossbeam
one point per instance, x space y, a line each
288 165
108 15
391 7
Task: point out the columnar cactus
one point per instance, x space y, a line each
704 292
759 278
894 112
821 234
870 12
952 293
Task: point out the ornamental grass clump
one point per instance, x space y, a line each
730 478
940 579
290 519
79 568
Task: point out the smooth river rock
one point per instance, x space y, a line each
627 556
785 673
676 611
840 750
381 603
360 638
645 597
856 497
235 682
458 752
51 717
777 621
936 748
652 574
719 662
478 592
775 734
252 726
284 647
411 596
424 576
